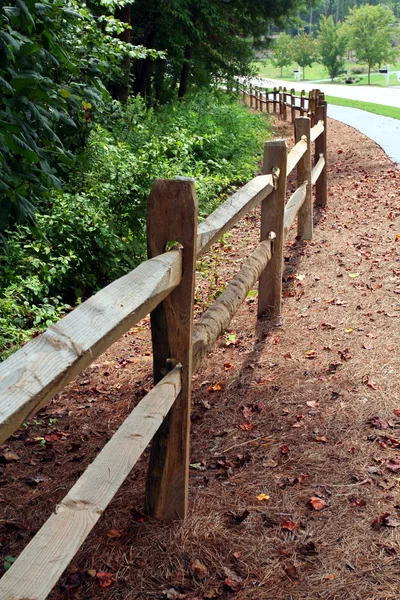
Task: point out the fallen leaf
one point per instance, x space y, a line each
288 355
289 525
114 533
321 439
308 549
330 577
380 521
369 382
228 366
290 570
270 463
247 426
237 555
262 497
393 464
377 422
214 388
312 403
239 518
105 579
357 502
233 585
349 330
10 457
345 354
91 572
311 354
284 449
354 275
198 569
317 503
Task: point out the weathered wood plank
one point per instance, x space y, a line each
295 155
305 215
42 562
316 131
272 211
315 173
232 210
293 206
172 215
33 375
217 317
321 186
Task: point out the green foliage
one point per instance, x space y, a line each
332 46
55 57
281 51
94 232
304 51
368 29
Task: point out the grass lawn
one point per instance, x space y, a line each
378 109
318 71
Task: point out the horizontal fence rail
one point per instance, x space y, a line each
163 286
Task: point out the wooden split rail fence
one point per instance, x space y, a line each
164 287
280 101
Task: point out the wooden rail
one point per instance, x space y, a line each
163 286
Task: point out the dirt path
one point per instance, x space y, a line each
295 459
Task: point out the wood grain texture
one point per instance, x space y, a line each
315 173
232 210
272 211
293 206
42 562
305 214
295 155
321 187
172 216
215 320
33 375
316 131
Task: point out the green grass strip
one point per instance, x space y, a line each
378 109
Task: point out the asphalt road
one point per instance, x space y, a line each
385 131
389 96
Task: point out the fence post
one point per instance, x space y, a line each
272 217
302 98
292 104
251 96
172 216
311 107
275 100
305 214
321 185
284 105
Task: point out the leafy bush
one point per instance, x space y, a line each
357 70
94 232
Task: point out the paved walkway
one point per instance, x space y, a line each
385 131
365 93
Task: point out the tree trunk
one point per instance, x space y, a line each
337 12
122 90
183 85
311 16
369 73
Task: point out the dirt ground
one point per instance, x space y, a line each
295 451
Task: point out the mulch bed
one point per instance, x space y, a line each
295 446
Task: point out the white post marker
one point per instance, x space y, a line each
386 72
297 74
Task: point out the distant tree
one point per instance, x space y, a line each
281 51
369 32
304 51
332 46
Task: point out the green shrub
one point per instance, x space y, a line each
95 231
